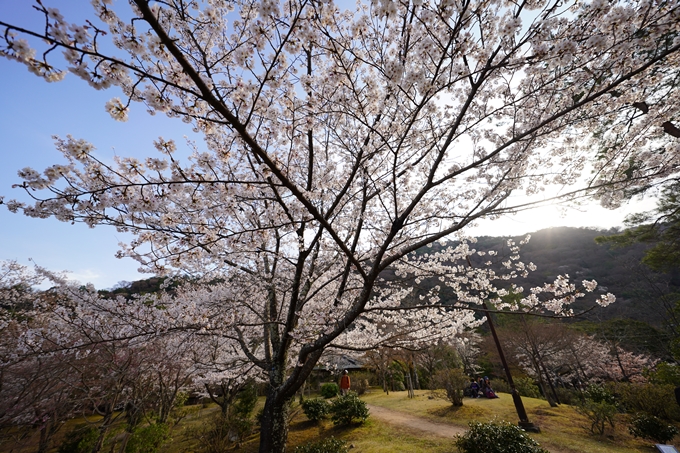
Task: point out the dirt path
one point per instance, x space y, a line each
422 424
413 422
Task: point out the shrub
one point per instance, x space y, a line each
499 385
370 378
79 440
347 408
599 414
329 445
148 439
526 387
654 399
394 377
360 385
329 389
245 403
315 409
500 437
652 428
599 394
568 396
665 374
452 381
213 437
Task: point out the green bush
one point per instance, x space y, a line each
526 387
665 374
370 378
315 409
499 385
360 385
568 396
656 399
79 440
345 409
329 389
452 381
652 428
500 437
221 433
599 414
148 439
213 437
329 445
599 394
245 403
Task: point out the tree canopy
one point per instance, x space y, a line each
340 141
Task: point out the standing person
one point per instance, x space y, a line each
344 383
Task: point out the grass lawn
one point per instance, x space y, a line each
562 428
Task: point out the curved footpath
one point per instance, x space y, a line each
422 424
411 421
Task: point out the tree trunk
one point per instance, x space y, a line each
414 375
544 389
47 430
103 429
126 437
302 392
274 428
44 438
549 380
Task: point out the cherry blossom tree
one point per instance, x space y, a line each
72 352
577 358
339 142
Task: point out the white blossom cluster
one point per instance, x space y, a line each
339 142
586 360
72 350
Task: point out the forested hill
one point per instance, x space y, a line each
573 251
559 251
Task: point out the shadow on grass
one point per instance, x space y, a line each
303 425
446 411
306 431
459 414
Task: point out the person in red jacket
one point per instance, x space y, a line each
344 383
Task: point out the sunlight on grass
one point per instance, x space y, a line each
562 428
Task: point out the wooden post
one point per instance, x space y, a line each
409 383
524 422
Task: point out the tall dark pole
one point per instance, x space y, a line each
524 422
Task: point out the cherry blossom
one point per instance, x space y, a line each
338 143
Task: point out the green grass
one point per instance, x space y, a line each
373 436
562 428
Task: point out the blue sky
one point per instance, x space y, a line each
32 111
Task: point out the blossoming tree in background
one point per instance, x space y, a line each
339 142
